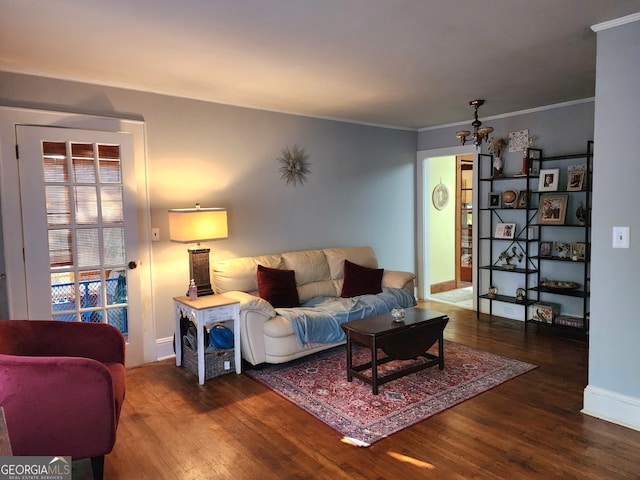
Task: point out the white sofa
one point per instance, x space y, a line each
269 338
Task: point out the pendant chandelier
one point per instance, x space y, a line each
480 133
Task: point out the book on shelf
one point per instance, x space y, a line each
569 321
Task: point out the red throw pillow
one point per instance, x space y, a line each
278 287
359 280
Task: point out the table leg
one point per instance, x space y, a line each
200 328
178 337
349 358
374 366
441 351
237 345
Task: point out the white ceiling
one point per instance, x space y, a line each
403 63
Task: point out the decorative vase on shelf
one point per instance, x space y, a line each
496 147
497 167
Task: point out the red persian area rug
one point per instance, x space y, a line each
318 384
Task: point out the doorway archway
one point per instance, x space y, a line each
424 218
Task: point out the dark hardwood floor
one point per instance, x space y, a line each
234 428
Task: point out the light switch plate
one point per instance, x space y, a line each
620 237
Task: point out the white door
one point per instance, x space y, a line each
78 199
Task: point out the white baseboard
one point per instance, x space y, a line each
612 407
164 348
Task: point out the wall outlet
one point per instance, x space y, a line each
227 365
155 234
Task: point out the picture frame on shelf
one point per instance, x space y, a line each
505 231
552 209
579 251
545 249
523 199
495 200
563 249
548 181
575 180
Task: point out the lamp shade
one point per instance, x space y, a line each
190 225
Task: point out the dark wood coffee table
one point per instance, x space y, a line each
404 340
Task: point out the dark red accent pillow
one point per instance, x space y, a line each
278 287
359 280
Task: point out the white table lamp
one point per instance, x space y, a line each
195 225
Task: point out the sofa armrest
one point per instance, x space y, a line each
72 396
398 279
254 312
253 303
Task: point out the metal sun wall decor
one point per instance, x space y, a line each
293 165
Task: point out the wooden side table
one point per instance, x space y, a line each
204 311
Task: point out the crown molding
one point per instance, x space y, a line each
616 22
514 114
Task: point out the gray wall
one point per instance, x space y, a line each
360 190
614 354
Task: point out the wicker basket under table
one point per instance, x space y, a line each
214 361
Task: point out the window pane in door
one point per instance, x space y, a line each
58 205
90 289
83 170
118 318
117 287
83 163
55 161
117 295
87 240
86 198
63 296
113 245
60 248
109 163
111 202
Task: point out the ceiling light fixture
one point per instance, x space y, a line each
480 133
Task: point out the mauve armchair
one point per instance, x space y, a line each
62 385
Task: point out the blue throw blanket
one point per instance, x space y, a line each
318 319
